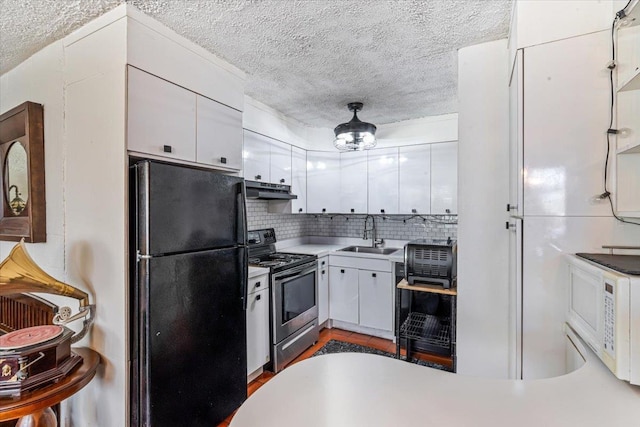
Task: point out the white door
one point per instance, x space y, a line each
323 182
414 179
515 206
257 330
444 178
382 177
280 162
343 294
255 156
376 299
353 182
219 134
299 179
323 289
515 298
161 117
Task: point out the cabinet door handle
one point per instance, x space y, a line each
258 176
167 149
323 271
341 271
381 211
300 210
352 210
282 181
323 210
323 263
373 274
258 297
257 284
223 160
414 210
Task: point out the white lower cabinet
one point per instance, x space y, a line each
375 297
257 324
323 289
343 294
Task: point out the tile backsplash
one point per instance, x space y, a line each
397 227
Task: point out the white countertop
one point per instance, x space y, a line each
354 389
257 271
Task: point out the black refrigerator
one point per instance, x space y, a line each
188 295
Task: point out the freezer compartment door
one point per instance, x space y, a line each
182 209
195 343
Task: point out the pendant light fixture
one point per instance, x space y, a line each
355 135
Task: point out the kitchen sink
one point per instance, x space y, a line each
370 250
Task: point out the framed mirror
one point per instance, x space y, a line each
22 174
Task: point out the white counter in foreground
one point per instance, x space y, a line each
352 389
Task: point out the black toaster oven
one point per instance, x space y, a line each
431 261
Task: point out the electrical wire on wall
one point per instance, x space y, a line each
611 131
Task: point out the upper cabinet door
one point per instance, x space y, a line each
415 179
444 178
280 162
323 181
255 156
161 117
382 172
299 179
219 134
353 182
515 206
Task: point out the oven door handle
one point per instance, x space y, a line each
298 271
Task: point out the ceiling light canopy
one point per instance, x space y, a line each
355 135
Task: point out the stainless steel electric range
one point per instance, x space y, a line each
294 297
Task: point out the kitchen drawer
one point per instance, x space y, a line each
258 283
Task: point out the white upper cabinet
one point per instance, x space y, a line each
382 172
161 117
280 161
444 178
353 182
255 155
299 179
323 181
219 134
414 177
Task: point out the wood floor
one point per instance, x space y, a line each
340 335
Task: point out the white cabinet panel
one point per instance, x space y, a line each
444 178
257 330
382 173
280 161
343 294
323 289
256 157
299 179
414 179
375 299
323 182
566 115
219 134
353 182
516 115
161 117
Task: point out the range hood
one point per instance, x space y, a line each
268 191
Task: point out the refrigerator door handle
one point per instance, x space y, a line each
244 288
242 214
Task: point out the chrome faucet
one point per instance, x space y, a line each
375 242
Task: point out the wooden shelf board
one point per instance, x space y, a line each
434 289
631 83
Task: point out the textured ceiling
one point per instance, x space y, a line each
307 59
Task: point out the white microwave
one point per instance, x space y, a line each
604 309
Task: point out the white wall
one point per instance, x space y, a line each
483 189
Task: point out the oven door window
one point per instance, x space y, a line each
299 295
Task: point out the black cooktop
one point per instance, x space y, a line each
627 264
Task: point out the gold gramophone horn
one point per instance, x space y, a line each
20 273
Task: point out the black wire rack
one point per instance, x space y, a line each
428 329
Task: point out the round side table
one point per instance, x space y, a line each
34 408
